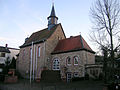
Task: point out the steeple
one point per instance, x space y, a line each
52 19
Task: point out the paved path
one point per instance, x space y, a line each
81 85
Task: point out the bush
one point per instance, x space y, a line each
77 78
86 76
2 76
18 74
13 64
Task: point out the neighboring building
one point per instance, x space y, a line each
7 53
95 70
50 49
13 52
4 54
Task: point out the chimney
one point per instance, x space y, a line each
26 39
6 45
71 36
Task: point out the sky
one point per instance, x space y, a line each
20 18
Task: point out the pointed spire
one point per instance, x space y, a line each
52 19
52 11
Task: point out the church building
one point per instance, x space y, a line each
49 50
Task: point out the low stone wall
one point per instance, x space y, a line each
11 79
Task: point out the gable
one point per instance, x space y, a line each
59 32
39 36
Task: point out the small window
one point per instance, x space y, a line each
2 54
75 60
56 64
76 74
39 49
68 61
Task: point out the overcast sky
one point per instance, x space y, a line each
20 18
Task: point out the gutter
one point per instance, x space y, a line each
59 52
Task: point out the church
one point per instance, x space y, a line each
49 50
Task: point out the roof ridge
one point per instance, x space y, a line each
69 37
13 48
40 30
8 47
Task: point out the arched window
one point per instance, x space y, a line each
76 60
76 74
68 60
56 64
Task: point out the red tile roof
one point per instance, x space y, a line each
72 44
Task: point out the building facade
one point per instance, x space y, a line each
7 53
4 54
49 49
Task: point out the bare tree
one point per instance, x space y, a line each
105 16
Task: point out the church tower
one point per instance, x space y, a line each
52 19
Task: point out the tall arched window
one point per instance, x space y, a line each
68 61
30 52
56 64
39 50
75 60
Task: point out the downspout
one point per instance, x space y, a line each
86 62
31 63
86 58
36 62
44 52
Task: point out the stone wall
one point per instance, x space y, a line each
51 43
2 59
24 60
84 58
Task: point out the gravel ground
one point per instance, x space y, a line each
81 85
